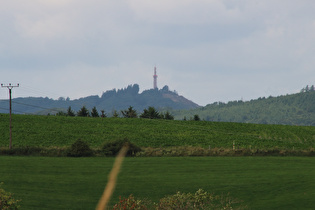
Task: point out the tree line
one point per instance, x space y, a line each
149 113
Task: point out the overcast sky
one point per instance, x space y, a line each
206 50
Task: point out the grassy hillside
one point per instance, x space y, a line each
295 109
51 131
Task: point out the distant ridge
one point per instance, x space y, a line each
294 109
111 100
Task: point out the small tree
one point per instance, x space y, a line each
168 116
70 112
103 115
307 88
196 117
94 112
112 148
83 112
80 149
115 114
150 113
129 113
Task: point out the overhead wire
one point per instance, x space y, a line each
6 109
32 91
53 109
45 93
38 92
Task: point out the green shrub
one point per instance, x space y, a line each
7 201
112 148
199 200
80 149
130 203
54 152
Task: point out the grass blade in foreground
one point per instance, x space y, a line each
112 179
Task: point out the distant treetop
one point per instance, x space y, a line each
308 89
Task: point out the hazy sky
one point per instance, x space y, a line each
206 50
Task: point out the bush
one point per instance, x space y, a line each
112 148
199 200
7 201
130 203
79 149
23 151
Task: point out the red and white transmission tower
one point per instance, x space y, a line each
155 79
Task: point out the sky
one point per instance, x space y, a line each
206 50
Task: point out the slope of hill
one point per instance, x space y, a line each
295 109
51 131
110 100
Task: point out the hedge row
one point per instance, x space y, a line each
82 149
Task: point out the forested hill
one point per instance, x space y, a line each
110 100
295 109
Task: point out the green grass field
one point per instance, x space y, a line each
77 183
52 131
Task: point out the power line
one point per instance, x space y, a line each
4 108
31 105
14 102
40 92
35 106
21 112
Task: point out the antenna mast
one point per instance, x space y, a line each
155 79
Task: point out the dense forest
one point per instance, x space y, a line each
294 109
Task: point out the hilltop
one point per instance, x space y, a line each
161 99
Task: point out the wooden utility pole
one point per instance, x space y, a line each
10 87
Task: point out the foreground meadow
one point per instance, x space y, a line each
77 183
